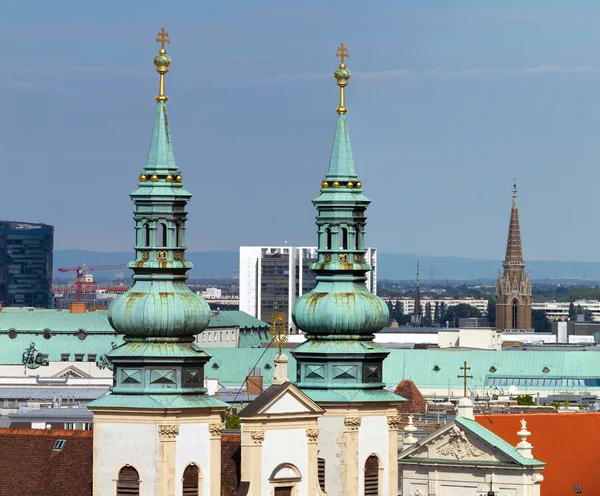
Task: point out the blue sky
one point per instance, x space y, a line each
448 102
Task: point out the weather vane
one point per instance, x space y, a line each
279 330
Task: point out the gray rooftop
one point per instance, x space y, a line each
49 393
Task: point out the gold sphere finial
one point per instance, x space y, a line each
342 75
162 62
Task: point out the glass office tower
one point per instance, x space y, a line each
25 264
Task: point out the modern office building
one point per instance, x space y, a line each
25 264
559 310
273 277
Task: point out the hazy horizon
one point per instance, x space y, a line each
447 103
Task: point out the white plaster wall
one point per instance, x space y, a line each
287 404
483 339
116 445
373 438
332 429
192 446
448 339
284 446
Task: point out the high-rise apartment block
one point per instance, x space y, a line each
26 251
273 277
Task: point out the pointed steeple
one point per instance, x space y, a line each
159 315
513 287
514 250
339 361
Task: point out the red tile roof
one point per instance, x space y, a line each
415 402
567 442
30 467
230 463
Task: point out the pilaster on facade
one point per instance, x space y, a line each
312 435
352 423
168 432
257 437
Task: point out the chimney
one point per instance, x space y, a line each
78 307
254 384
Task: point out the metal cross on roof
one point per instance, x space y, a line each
464 377
163 38
342 53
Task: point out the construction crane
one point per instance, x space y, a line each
82 283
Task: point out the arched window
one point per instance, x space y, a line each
284 480
191 477
328 239
344 245
128 483
372 476
162 235
146 235
515 314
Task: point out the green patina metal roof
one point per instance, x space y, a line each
334 347
353 396
418 365
236 318
157 401
54 320
254 339
341 164
160 154
159 350
496 441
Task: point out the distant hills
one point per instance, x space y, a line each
403 266
213 264
225 264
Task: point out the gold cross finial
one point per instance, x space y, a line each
163 38
162 62
464 376
342 53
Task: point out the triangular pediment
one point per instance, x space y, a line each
283 399
454 443
72 372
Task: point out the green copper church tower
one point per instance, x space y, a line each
340 362
159 365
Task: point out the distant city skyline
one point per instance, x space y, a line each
447 103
